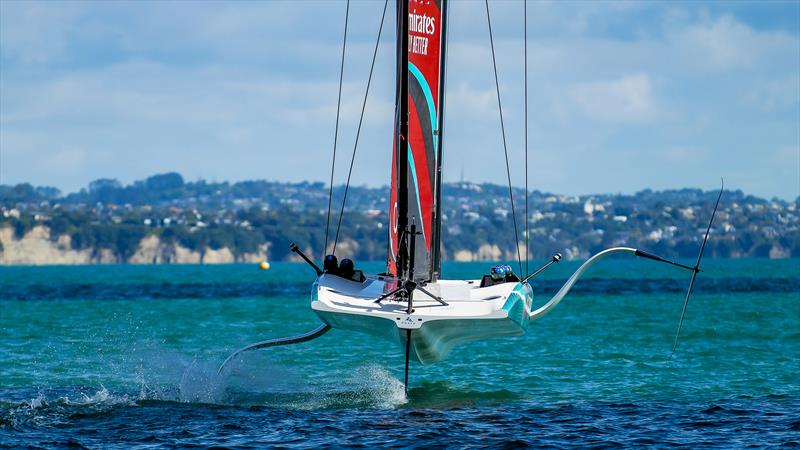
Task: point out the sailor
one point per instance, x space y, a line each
496 276
330 265
346 268
498 273
509 275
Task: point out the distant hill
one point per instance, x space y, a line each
167 219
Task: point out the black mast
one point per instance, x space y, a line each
402 137
436 264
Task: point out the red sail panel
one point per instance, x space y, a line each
422 179
425 31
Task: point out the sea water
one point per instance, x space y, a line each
127 356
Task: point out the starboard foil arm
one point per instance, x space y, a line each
640 253
574 278
317 332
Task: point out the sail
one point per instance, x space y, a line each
417 152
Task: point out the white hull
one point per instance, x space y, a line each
472 312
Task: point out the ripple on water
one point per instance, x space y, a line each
131 361
367 412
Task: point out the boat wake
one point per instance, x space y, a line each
194 382
56 407
369 386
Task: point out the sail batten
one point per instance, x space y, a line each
416 161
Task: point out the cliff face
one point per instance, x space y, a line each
38 247
491 253
485 252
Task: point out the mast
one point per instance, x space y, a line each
402 138
437 214
417 149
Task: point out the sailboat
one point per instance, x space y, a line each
410 304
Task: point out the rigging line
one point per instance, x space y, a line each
503 129
446 65
525 34
360 121
442 109
336 130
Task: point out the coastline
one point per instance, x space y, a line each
39 248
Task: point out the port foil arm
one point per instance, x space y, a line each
317 332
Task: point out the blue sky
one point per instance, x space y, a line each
623 95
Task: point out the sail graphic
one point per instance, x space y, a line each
416 162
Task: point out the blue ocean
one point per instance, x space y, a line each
127 357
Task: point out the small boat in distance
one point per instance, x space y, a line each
410 304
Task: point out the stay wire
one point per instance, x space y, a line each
525 34
503 129
336 130
360 121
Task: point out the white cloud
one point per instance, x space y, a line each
683 154
239 90
788 156
775 94
37 33
629 99
67 160
471 103
724 43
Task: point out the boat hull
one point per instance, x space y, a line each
472 312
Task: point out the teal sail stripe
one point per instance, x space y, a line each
428 99
416 188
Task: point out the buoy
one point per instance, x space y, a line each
263 265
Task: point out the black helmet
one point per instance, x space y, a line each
330 263
346 267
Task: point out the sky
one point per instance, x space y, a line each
622 96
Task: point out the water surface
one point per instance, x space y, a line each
126 356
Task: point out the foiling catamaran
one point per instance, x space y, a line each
409 303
